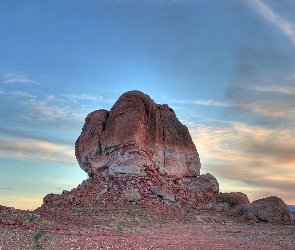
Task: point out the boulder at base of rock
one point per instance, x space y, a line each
240 198
205 182
234 199
131 195
271 209
162 193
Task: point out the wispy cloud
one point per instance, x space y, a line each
24 132
278 89
16 78
271 16
22 94
202 102
263 101
50 111
256 156
88 97
47 111
271 108
30 149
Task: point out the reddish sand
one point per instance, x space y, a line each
81 228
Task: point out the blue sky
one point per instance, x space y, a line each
227 68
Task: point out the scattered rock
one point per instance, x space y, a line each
131 195
251 216
162 193
220 207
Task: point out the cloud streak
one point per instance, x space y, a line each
23 132
257 157
83 96
30 149
290 90
16 78
202 102
281 23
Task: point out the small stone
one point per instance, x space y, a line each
131 195
162 193
252 222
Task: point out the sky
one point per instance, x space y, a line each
227 68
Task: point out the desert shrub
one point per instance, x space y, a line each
37 237
33 217
241 211
99 203
90 175
173 203
81 204
81 212
228 199
120 225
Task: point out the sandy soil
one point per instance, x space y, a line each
135 227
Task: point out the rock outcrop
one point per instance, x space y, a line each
137 151
140 153
271 209
236 202
137 135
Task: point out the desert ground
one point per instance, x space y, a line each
137 226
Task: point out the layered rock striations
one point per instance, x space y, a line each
137 135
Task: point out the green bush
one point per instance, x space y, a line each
241 211
228 199
90 175
81 204
173 203
120 225
37 238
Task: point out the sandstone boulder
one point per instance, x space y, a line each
131 195
271 209
162 193
204 182
240 198
234 199
136 135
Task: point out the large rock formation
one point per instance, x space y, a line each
134 136
137 151
140 153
